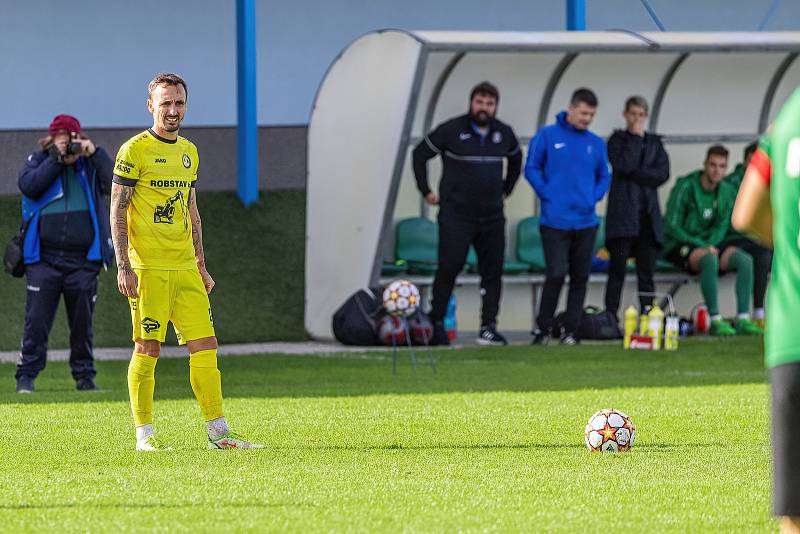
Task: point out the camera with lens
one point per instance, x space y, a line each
74 148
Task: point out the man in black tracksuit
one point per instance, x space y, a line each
470 199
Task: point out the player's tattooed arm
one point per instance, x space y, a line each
127 281
197 239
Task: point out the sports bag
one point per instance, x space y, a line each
598 324
356 321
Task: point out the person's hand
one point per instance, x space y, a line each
61 144
638 128
87 146
208 282
432 198
127 282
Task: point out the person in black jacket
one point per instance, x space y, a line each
471 195
633 216
67 241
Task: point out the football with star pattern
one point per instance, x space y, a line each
609 430
401 298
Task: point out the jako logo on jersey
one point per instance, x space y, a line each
186 161
161 160
150 324
559 145
464 136
171 184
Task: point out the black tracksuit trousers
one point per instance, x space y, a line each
456 233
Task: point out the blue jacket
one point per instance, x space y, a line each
568 169
41 183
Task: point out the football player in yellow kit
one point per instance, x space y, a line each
158 240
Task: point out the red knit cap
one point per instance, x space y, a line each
66 123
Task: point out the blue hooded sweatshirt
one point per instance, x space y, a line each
568 169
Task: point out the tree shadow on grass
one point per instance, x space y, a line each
510 369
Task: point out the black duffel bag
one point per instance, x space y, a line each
356 321
598 324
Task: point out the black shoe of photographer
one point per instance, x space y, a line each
439 335
490 336
541 337
85 384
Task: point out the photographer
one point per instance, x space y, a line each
67 241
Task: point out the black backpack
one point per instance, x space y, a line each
356 321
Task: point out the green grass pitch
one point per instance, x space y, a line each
494 443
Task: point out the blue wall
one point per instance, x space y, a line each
94 58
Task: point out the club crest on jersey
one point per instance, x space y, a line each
707 213
497 137
186 161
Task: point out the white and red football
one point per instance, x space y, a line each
401 298
609 430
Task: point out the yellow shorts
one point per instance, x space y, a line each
175 296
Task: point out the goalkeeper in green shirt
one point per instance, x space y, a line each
695 225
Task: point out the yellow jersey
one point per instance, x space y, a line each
161 171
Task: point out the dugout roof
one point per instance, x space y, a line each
388 87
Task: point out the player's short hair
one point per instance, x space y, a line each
637 101
585 95
750 149
166 78
485 89
717 150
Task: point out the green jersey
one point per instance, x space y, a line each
778 160
697 217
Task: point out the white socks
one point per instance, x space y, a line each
144 431
217 428
758 313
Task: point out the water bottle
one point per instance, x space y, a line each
701 319
450 318
672 333
656 325
631 318
644 323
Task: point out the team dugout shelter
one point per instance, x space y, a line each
386 89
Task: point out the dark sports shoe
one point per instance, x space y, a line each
439 335
540 337
490 336
24 384
569 339
85 384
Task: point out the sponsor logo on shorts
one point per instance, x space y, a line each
150 325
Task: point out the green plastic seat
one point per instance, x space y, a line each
394 268
417 243
529 244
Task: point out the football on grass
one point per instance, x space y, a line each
401 298
609 430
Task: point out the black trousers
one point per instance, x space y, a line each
455 236
565 251
644 248
76 279
785 386
762 264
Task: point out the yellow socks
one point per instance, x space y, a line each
206 382
141 383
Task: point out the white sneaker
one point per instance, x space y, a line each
151 444
232 440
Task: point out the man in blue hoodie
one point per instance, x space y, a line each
568 168
67 241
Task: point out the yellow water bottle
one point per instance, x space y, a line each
656 325
631 318
644 322
672 333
